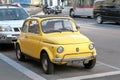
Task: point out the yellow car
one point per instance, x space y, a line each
54 40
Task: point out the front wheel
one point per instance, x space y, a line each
90 64
20 56
47 66
99 19
72 13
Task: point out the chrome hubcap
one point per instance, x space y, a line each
18 53
45 64
72 13
99 19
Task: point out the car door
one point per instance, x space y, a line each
33 39
117 3
116 12
23 37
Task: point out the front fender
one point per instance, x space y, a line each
49 52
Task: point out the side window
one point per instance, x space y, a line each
34 27
25 26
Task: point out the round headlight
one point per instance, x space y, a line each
91 46
60 49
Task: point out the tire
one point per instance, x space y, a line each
72 13
117 23
99 19
47 66
90 64
20 56
55 13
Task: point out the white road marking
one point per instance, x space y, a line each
108 65
93 76
20 68
35 76
91 27
96 75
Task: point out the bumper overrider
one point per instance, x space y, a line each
82 58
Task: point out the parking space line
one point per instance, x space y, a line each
96 75
35 76
108 65
93 76
20 68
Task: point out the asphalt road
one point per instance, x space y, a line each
107 41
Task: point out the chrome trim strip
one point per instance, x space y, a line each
72 59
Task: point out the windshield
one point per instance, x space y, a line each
13 14
58 25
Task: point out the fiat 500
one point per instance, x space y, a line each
54 40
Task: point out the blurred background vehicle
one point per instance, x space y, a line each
108 10
56 9
11 20
82 8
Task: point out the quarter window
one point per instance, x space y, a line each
24 28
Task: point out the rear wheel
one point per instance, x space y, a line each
99 19
72 13
20 56
47 66
89 64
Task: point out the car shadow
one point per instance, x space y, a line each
6 47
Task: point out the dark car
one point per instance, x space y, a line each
57 9
107 11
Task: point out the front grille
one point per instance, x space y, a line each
15 34
16 29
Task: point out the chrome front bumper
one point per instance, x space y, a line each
73 59
8 39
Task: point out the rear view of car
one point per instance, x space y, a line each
11 20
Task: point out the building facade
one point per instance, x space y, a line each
36 2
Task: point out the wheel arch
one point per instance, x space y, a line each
48 52
97 14
17 43
70 11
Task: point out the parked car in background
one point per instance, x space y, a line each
54 40
52 9
82 8
11 20
107 11
56 9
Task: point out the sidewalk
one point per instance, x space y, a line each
10 70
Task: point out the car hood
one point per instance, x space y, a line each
66 39
12 23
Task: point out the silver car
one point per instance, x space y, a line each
11 20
